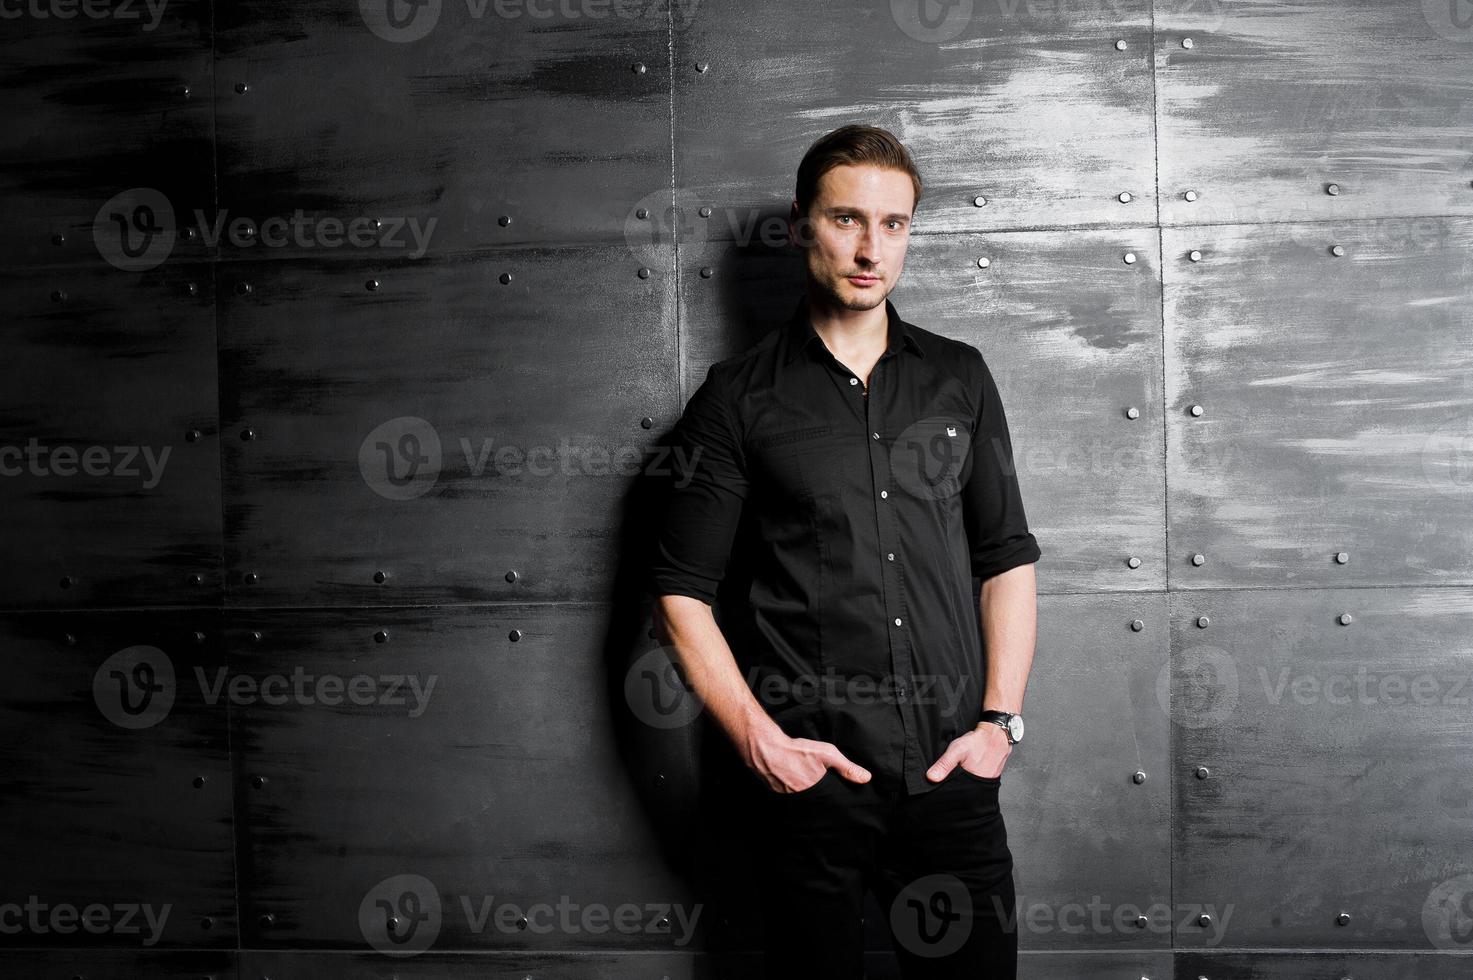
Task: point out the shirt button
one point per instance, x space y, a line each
897 620
854 381
884 493
875 434
889 556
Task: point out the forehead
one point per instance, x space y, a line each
867 186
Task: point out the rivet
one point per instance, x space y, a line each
1332 189
1132 412
241 88
1125 197
1138 777
1130 258
1190 196
1196 411
258 781
504 220
504 278
195 578
380 576
639 68
1195 255
1136 625
377 224
266 919
248 230
1337 250
979 201
1141 922
1133 562
250 578
66 581
247 435
184 91
1186 42
511 575
644 273
1345 619
984 262
371 285
659 780
706 272
1204 920
1343 919
58 239
705 211
1203 772
70 639
1198 559
58 296
1120 44
207 923
1341 557
199 637
702 66
646 422
257 636
521 922
382 636
187 234
1203 622
242 288
192 435
642 214
514 635
192 288
199 782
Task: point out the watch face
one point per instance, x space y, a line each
1015 727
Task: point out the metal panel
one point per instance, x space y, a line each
445 428
118 965
1071 333
1271 105
1090 845
1317 966
1337 404
1009 103
115 824
470 775
110 464
554 117
1336 757
100 99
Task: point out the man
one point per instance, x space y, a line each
874 459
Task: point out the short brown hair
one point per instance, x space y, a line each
852 144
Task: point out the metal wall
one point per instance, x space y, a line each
340 339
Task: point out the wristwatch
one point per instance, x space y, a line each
1010 723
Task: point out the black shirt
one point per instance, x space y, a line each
872 511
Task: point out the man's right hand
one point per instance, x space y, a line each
791 765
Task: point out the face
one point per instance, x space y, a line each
856 234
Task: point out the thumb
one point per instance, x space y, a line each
848 768
942 767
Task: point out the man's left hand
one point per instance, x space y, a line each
982 752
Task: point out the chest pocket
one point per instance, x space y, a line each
777 457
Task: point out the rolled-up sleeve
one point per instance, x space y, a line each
707 491
992 505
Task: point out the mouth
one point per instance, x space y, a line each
863 280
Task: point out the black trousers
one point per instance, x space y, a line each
938 863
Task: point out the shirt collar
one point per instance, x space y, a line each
800 333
